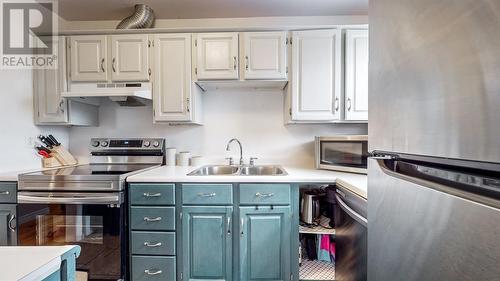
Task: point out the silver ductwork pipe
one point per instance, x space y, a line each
143 17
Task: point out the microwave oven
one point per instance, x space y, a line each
342 153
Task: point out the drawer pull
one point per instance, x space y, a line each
213 194
264 195
4 193
147 244
152 271
148 219
147 194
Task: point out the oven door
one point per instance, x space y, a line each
94 221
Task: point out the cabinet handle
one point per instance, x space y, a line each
147 194
336 104
213 194
147 244
102 65
152 272
61 106
148 219
188 109
264 195
246 62
234 62
113 64
228 225
349 104
12 228
242 225
4 193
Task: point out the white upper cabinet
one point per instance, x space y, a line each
48 84
49 107
315 85
174 100
88 58
216 56
129 58
356 75
264 55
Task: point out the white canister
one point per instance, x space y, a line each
183 158
171 151
196 161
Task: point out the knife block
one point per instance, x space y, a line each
63 156
50 162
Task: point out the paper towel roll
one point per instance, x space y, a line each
171 151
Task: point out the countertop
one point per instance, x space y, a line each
31 263
354 182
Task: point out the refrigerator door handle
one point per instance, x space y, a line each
359 218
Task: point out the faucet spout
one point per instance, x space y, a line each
239 144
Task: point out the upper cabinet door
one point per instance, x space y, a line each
48 85
356 75
129 57
88 58
172 77
217 55
315 89
264 55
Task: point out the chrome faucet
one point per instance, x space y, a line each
241 149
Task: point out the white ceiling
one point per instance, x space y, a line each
192 9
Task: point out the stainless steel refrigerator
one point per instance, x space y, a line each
434 189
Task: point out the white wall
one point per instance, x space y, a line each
16 122
255 118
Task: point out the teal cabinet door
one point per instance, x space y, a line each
207 243
8 235
264 243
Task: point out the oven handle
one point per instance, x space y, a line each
69 198
357 217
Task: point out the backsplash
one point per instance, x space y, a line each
255 118
17 124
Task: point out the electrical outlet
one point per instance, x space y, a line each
29 141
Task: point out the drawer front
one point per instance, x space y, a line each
265 194
8 192
152 218
152 194
153 243
207 194
153 268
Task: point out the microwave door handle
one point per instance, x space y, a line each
47 198
357 217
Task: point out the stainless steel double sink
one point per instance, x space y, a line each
227 170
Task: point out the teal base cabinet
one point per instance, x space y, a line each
207 243
152 232
223 232
265 243
8 199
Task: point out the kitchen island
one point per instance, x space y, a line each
48 263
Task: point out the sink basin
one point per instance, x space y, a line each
215 170
226 170
262 171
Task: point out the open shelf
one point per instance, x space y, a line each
317 229
316 270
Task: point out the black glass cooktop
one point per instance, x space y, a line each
93 169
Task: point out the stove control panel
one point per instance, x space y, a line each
99 144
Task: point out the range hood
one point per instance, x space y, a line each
125 94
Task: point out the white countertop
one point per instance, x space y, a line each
30 263
354 182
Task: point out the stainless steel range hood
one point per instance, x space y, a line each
125 94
